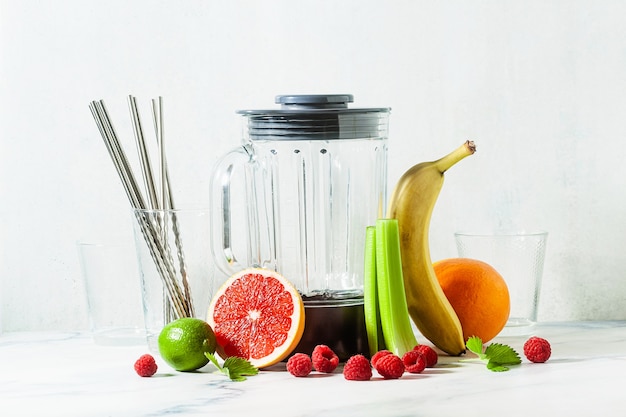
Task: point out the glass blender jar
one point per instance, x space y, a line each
296 197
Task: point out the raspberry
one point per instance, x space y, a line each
299 365
357 368
537 349
390 366
324 359
145 365
379 355
429 354
414 362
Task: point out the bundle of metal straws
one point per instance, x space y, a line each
154 228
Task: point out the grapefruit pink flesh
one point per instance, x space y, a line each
258 315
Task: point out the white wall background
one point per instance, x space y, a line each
539 85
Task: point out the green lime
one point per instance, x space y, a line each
183 342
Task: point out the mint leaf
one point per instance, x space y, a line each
496 367
234 367
239 368
497 356
226 372
213 360
502 354
475 345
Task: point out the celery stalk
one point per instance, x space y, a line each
370 296
394 316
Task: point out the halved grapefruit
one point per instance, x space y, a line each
258 315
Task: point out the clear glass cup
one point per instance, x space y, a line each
111 280
519 258
176 269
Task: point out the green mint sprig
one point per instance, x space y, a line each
498 356
237 369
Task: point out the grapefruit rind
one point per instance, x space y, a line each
244 309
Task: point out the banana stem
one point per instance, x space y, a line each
445 163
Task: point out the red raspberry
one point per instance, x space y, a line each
414 362
537 349
357 368
145 365
379 355
299 365
429 354
324 359
390 366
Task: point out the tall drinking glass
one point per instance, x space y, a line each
173 248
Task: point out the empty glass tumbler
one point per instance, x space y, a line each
519 258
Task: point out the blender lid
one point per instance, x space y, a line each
316 116
316 103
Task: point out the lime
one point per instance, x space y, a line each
183 342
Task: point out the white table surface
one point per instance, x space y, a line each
67 374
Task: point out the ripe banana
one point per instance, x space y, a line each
412 203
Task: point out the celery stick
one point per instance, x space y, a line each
394 316
370 297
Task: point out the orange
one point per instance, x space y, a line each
478 294
258 315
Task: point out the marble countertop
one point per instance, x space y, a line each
67 374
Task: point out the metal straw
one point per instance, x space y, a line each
144 158
167 198
142 151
